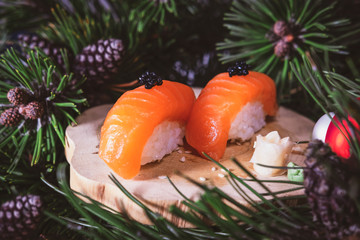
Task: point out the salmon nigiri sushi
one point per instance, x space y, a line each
145 124
231 106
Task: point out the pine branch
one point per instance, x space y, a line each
336 93
226 218
57 100
333 93
135 24
83 26
273 34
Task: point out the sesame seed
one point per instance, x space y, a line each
187 151
213 169
182 159
202 179
162 177
179 151
221 175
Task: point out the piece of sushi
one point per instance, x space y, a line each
144 125
230 108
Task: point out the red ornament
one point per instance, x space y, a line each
336 137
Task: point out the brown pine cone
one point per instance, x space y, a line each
34 110
282 49
10 117
18 96
281 28
99 61
19 217
326 179
33 41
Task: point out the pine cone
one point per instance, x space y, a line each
49 48
10 117
281 28
19 217
33 110
99 61
326 177
18 96
282 49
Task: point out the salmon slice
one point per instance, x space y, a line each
218 105
132 119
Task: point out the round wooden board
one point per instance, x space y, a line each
89 175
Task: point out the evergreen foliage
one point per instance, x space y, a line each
333 93
254 34
211 216
54 91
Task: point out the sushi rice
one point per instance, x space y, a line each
249 120
167 136
165 139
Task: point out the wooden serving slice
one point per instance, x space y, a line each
89 175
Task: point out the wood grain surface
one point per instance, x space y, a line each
89 175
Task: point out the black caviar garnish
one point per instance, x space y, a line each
240 69
150 79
